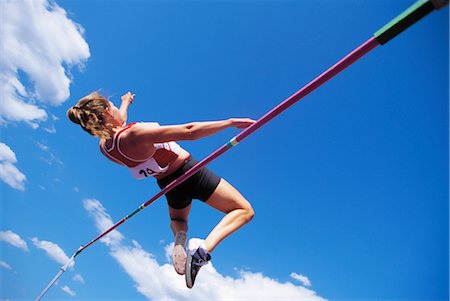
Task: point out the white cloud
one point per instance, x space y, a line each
102 221
160 282
168 251
51 129
78 278
39 44
303 279
9 173
43 147
13 239
53 251
69 291
5 265
51 158
6 154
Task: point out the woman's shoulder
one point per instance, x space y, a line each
141 124
136 130
133 142
136 127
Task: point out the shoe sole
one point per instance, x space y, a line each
179 259
179 253
189 283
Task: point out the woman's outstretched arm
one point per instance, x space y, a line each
127 99
189 131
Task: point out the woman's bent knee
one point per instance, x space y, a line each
249 214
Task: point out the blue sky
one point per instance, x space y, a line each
350 185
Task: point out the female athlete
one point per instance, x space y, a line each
148 149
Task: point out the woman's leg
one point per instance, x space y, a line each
237 209
179 219
179 225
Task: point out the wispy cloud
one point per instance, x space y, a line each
9 173
78 278
13 239
50 129
160 282
43 147
5 265
52 250
68 290
39 44
103 221
303 279
51 158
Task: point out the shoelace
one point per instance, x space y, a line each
200 259
199 262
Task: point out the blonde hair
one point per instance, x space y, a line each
89 114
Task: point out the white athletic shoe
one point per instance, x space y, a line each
197 257
179 253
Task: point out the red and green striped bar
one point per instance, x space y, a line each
410 16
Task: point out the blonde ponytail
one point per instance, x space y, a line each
89 114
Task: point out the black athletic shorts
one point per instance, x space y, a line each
199 186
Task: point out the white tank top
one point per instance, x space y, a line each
156 164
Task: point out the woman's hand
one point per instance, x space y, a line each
241 123
128 98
